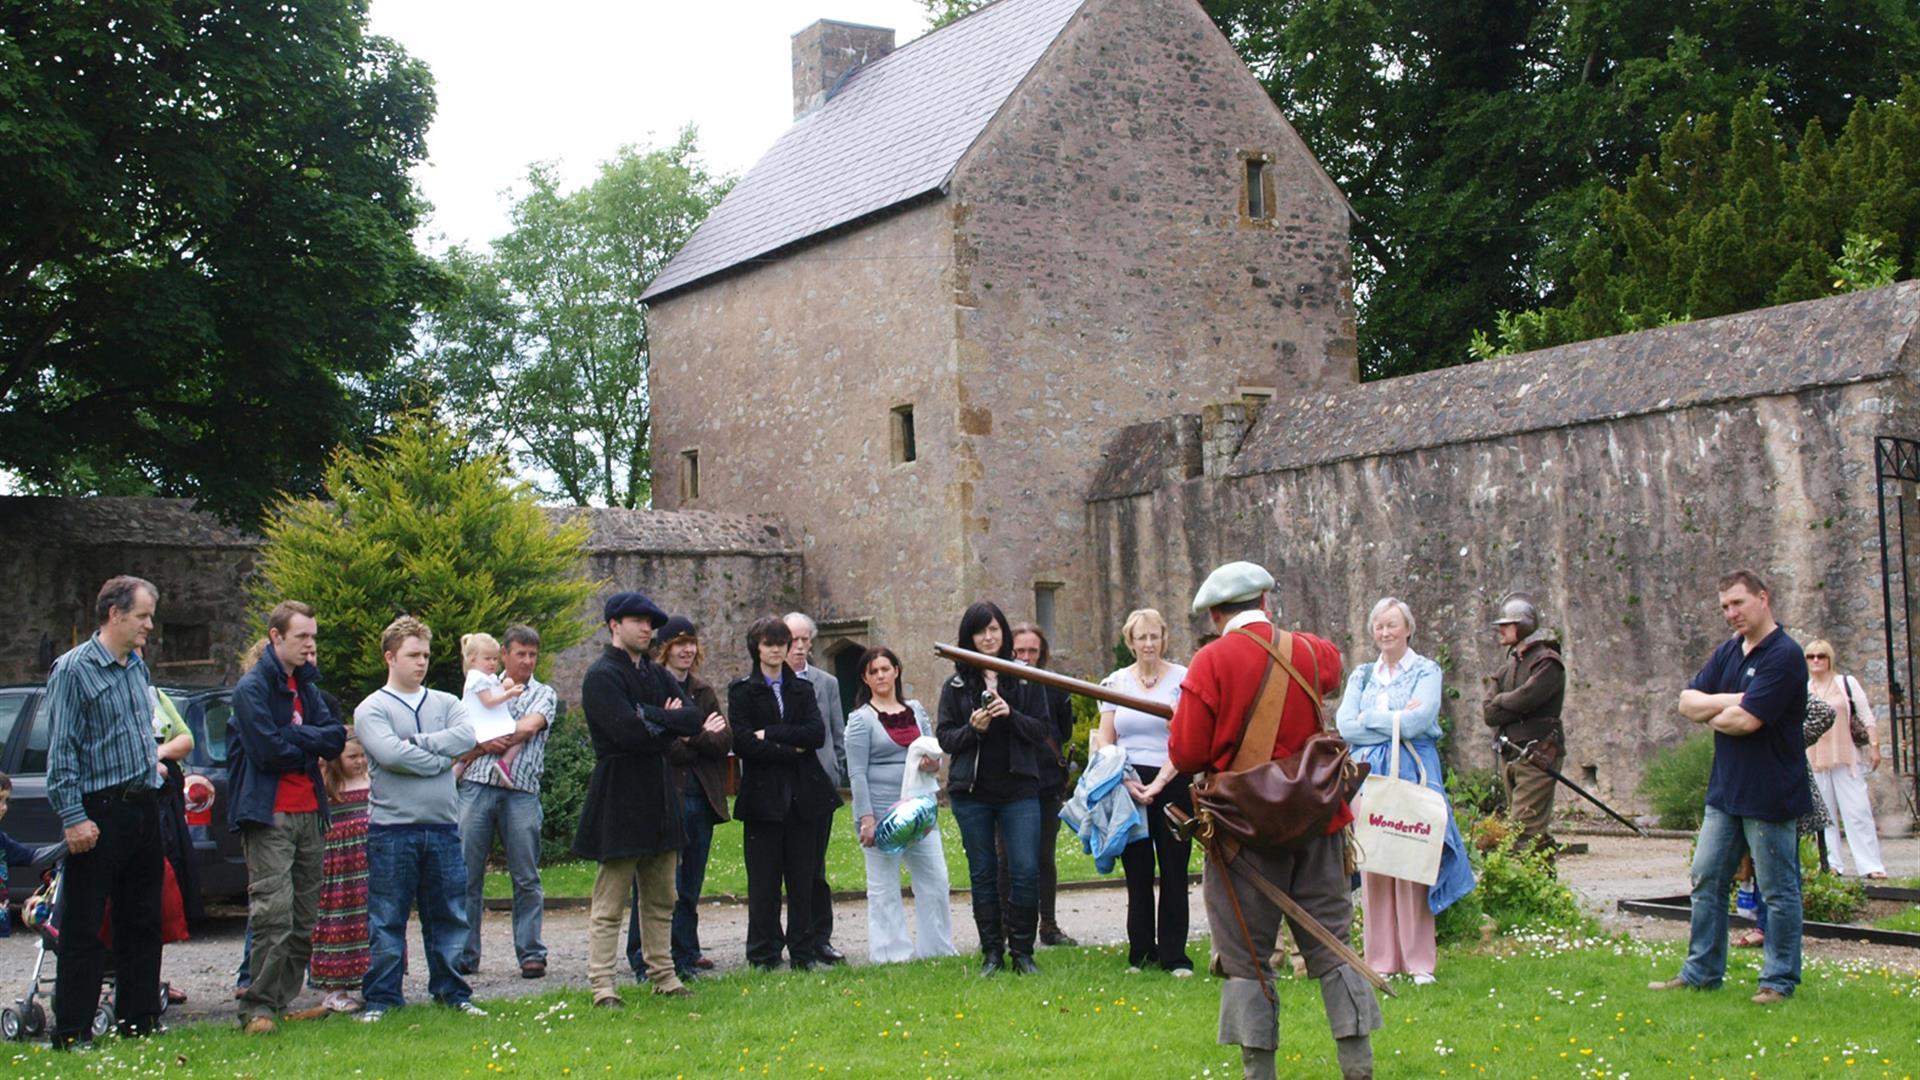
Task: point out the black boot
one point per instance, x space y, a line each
1022 924
992 952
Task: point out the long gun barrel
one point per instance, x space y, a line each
1048 678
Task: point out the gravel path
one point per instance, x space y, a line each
1615 867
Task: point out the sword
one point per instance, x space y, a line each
1527 753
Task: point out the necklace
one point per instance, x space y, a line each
1147 683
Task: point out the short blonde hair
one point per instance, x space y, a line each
474 646
1822 645
402 628
1390 603
1138 618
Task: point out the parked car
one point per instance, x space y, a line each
24 737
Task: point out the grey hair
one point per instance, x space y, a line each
813 629
1380 609
119 594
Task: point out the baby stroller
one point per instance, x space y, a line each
27 1017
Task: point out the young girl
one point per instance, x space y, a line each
487 695
340 948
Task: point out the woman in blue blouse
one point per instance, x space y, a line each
1406 685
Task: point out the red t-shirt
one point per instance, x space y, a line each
1217 696
295 792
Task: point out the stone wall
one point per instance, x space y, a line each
723 570
1108 273
1619 517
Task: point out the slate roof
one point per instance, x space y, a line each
1778 350
894 131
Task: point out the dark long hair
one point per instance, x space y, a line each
977 617
767 630
863 694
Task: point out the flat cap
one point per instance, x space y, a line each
622 604
678 626
1234 583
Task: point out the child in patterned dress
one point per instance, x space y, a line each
340 943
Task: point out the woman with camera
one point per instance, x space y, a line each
994 728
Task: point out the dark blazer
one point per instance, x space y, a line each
1028 713
1053 755
780 775
264 744
633 805
704 755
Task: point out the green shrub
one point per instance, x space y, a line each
1086 717
1518 888
1675 782
1475 793
1460 923
563 785
1827 897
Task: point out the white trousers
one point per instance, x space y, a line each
887 938
1844 790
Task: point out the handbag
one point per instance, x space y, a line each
1274 806
1399 826
1856 727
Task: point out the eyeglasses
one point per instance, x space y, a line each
1818 656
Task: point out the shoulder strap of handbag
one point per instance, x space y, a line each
1256 742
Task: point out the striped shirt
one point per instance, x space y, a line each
102 725
537 698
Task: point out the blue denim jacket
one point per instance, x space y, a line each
1369 731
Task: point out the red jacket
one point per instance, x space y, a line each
1217 696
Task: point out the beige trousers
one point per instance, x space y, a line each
612 895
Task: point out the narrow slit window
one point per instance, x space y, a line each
1257 208
904 449
689 475
1045 598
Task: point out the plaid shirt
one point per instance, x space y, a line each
102 724
537 698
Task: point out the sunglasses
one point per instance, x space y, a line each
1818 656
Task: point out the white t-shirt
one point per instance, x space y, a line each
489 722
1143 735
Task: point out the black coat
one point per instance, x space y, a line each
780 775
633 804
1053 756
1028 724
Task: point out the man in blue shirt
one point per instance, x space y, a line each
1753 695
103 778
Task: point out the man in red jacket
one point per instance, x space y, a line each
1216 702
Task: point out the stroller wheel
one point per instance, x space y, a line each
103 1019
36 1018
166 998
12 1027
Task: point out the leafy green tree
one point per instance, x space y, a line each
205 240
543 351
419 525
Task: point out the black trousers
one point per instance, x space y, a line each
822 892
780 853
1161 940
125 865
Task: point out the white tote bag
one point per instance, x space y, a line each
1400 826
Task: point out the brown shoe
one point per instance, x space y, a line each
261 1025
677 991
1675 983
1768 996
607 999
703 964
533 969
314 1013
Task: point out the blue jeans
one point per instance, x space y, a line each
1019 827
688 880
515 816
1775 846
404 866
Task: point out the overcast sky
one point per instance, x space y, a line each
572 80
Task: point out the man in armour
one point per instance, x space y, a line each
1525 708
1217 700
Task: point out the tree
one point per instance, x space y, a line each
543 350
419 525
1740 214
205 241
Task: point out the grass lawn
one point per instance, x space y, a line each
1548 1008
846 868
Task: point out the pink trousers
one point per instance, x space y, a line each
1398 926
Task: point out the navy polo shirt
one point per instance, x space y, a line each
1762 775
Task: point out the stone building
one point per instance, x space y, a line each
909 329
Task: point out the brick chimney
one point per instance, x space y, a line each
823 54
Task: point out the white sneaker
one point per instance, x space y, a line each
471 1009
1133 970
371 1016
1422 978
1183 973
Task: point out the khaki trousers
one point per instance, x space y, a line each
284 867
1529 800
613 889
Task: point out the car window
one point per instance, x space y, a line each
34 760
11 707
208 718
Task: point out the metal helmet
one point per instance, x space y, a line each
1518 610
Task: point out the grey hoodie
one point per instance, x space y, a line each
410 757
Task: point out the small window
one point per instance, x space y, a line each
902 435
689 475
1045 595
1256 190
1256 194
1255 395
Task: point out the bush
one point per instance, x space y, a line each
1475 793
1460 923
1518 887
1675 782
1086 718
563 785
1827 897
420 526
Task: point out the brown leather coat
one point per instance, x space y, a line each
705 754
1528 692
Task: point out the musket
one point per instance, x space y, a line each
1533 759
1044 677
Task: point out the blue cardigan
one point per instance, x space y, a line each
1369 731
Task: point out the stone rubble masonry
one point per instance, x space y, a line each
1613 480
722 570
1091 266
825 51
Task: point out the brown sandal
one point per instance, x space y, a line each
1750 939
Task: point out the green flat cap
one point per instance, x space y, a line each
1234 583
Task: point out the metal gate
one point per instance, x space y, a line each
1897 465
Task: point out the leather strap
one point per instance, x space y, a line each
1256 742
1233 895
